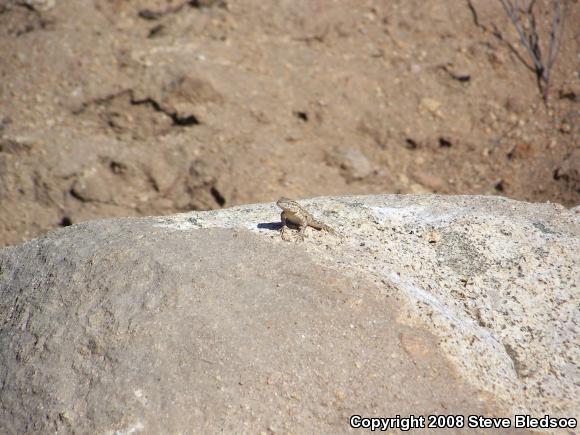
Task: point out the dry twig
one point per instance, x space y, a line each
524 20
530 38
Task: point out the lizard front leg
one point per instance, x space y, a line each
284 229
302 230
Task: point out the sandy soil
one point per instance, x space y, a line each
147 107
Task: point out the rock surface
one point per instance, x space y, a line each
208 321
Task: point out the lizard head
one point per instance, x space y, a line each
284 202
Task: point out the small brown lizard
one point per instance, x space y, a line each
294 213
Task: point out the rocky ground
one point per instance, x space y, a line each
148 107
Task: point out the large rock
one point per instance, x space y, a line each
209 322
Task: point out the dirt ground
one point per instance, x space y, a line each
149 107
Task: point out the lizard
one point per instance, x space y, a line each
294 213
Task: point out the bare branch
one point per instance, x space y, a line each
530 38
523 17
474 14
555 35
524 40
515 52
